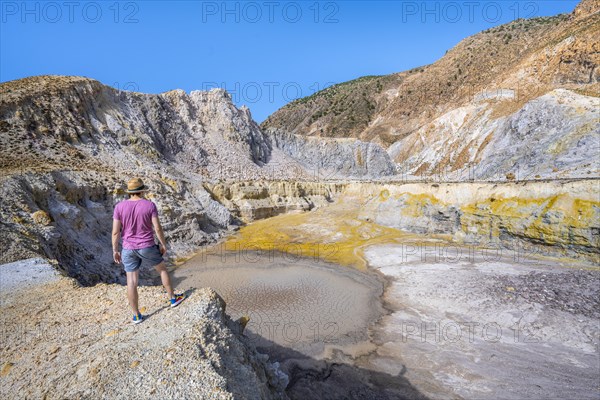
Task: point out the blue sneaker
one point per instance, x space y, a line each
138 318
178 299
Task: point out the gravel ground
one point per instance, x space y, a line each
59 340
575 291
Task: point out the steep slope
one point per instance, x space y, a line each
553 136
343 110
477 87
333 158
62 119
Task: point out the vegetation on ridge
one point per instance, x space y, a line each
390 107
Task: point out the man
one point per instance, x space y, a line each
136 219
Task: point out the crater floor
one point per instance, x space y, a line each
452 321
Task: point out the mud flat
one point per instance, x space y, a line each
452 323
476 325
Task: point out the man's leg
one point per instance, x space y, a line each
132 293
164 277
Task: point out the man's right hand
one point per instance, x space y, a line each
162 249
117 257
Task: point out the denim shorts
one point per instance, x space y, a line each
133 259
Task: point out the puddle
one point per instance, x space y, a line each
304 304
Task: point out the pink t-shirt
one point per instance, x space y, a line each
136 221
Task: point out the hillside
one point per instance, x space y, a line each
470 93
54 122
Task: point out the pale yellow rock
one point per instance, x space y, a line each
41 217
6 368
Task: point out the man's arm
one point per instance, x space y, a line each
116 236
160 234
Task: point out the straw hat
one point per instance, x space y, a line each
136 185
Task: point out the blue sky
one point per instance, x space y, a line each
265 52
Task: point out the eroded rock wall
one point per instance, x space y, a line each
553 136
67 216
328 158
556 218
262 199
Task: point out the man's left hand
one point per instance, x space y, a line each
117 257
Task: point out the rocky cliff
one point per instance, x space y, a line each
254 200
548 218
553 136
483 106
50 123
328 158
